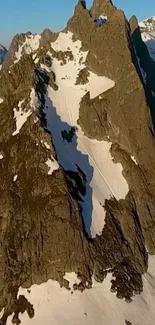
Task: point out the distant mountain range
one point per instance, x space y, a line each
148 25
147 28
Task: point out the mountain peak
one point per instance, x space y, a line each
148 25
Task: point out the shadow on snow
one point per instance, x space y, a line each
75 163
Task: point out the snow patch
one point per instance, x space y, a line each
52 164
72 279
36 60
34 56
33 100
30 45
98 84
142 25
1 313
1 100
47 145
134 160
1 156
15 178
20 116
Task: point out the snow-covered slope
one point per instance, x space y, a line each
97 306
147 28
104 177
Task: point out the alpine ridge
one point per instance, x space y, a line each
77 161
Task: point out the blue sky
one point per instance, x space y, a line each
35 15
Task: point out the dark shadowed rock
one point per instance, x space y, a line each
145 65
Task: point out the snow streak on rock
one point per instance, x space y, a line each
20 116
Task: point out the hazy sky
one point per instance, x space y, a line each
35 15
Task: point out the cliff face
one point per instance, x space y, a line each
76 157
123 111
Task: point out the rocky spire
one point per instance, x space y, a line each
102 7
81 5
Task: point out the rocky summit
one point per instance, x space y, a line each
77 164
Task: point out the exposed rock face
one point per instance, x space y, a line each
132 131
41 216
102 8
47 37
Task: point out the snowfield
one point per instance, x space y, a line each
96 306
104 177
20 116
